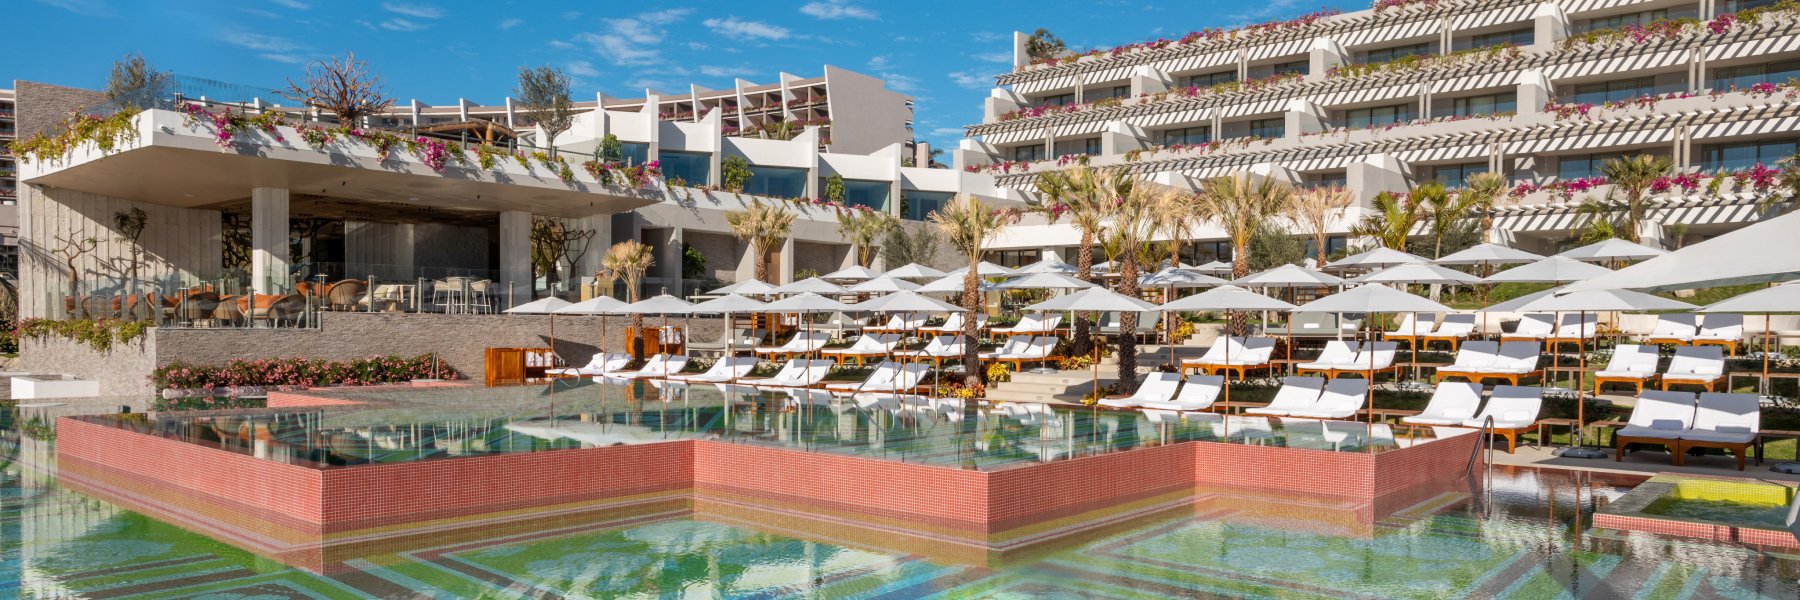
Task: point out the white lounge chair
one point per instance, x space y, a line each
1037 349
1533 327
1199 393
1372 358
1249 429
600 364
1155 387
1631 363
1454 328
797 373
1337 354
889 376
1729 421
1677 328
1295 394
1515 361
1341 399
658 366
1347 435
803 342
1215 353
1514 410
1253 354
939 348
1658 418
954 324
1411 328
870 345
1576 328
1696 365
1471 358
1721 330
900 323
1305 434
1453 403
726 369
1032 325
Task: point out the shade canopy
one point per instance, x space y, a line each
752 287
1613 249
884 284
907 302
1180 277
1226 297
1488 254
856 273
1784 298
730 303
1516 304
1420 273
597 305
1048 265
1094 299
984 269
541 306
1377 258
1761 253
806 302
915 271
812 285
1044 281
1372 298
1289 276
951 284
1604 300
1556 269
660 304
1217 267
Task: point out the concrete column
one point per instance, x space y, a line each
784 264
588 265
1303 117
1146 79
1325 54
1120 137
670 256
515 255
1374 174
1549 25
269 240
1534 91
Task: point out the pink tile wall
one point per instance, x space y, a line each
248 483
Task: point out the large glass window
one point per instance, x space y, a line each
1298 66
1516 37
873 194
1383 55
918 205
1376 116
777 182
1488 104
1088 146
1028 152
1187 135
1057 100
635 153
1618 89
692 167
1206 80
1117 91
1744 155
1637 18
1456 176
1327 179
1269 128
1731 6
1744 76
1585 165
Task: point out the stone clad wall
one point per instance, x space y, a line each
122 371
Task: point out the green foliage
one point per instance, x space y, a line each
300 371
735 173
206 403
106 133
910 244
135 84
611 148
100 335
1044 45
1272 246
834 188
693 263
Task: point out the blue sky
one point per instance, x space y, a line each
945 54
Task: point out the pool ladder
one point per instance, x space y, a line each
1484 452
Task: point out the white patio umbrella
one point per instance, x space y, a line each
660 304
1217 267
729 305
810 285
884 284
1094 299
1043 281
1613 249
752 287
1419 274
984 269
1515 304
1597 300
1768 251
1780 299
1227 298
915 271
806 302
598 305
1380 256
542 306
1049 264
909 302
1555 269
1372 298
1289 276
951 284
856 273
1486 256
1170 278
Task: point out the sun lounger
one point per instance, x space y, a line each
1372 358
900 323
1155 387
1249 429
1032 325
1728 421
939 348
1678 329
1341 399
1514 410
1295 394
1215 353
1514 361
1658 418
1199 393
889 376
1254 354
803 342
658 366
1305 434
600 364
1311 324
1337 353
743 340
1348 435
1410 329
1471 358
954 324
1453 329
797 373
1036 349
1451 404
840 324
1696 365
729 368
1721 330
1533 327
870 345
1576 328
1631 363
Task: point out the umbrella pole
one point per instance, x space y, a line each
1766 333
1227 379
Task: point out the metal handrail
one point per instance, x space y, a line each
1486 431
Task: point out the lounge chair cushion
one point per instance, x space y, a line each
1724 437
1636 431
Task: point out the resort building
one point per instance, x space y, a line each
9 186
1418 90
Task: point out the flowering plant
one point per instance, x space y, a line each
1688 182
301 372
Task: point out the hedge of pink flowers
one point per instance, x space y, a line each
1209 34
301 372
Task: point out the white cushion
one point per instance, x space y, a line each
1735 437
1648 432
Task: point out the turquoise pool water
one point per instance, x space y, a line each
1722 511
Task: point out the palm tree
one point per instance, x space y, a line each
1076 193
1632 178
1442 208
765 228
1483 193
1241 205
862 228
1391 223
1314 209
1790 179
629 260
1140 213
971 225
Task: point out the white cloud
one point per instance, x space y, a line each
972 80
987 36
878 63
260 42
733 27
561 45
285 58
900 83
86 8
836 9
401 25
995 57
633 40
423 11
947 132
510 23
725 72
293 4
582 68
696 45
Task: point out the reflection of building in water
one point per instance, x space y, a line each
51 523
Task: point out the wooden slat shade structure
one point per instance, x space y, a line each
476 129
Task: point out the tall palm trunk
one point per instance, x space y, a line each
1083 344
762 265
1240 267
1128 286
971 301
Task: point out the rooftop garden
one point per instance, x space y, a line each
1048 51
